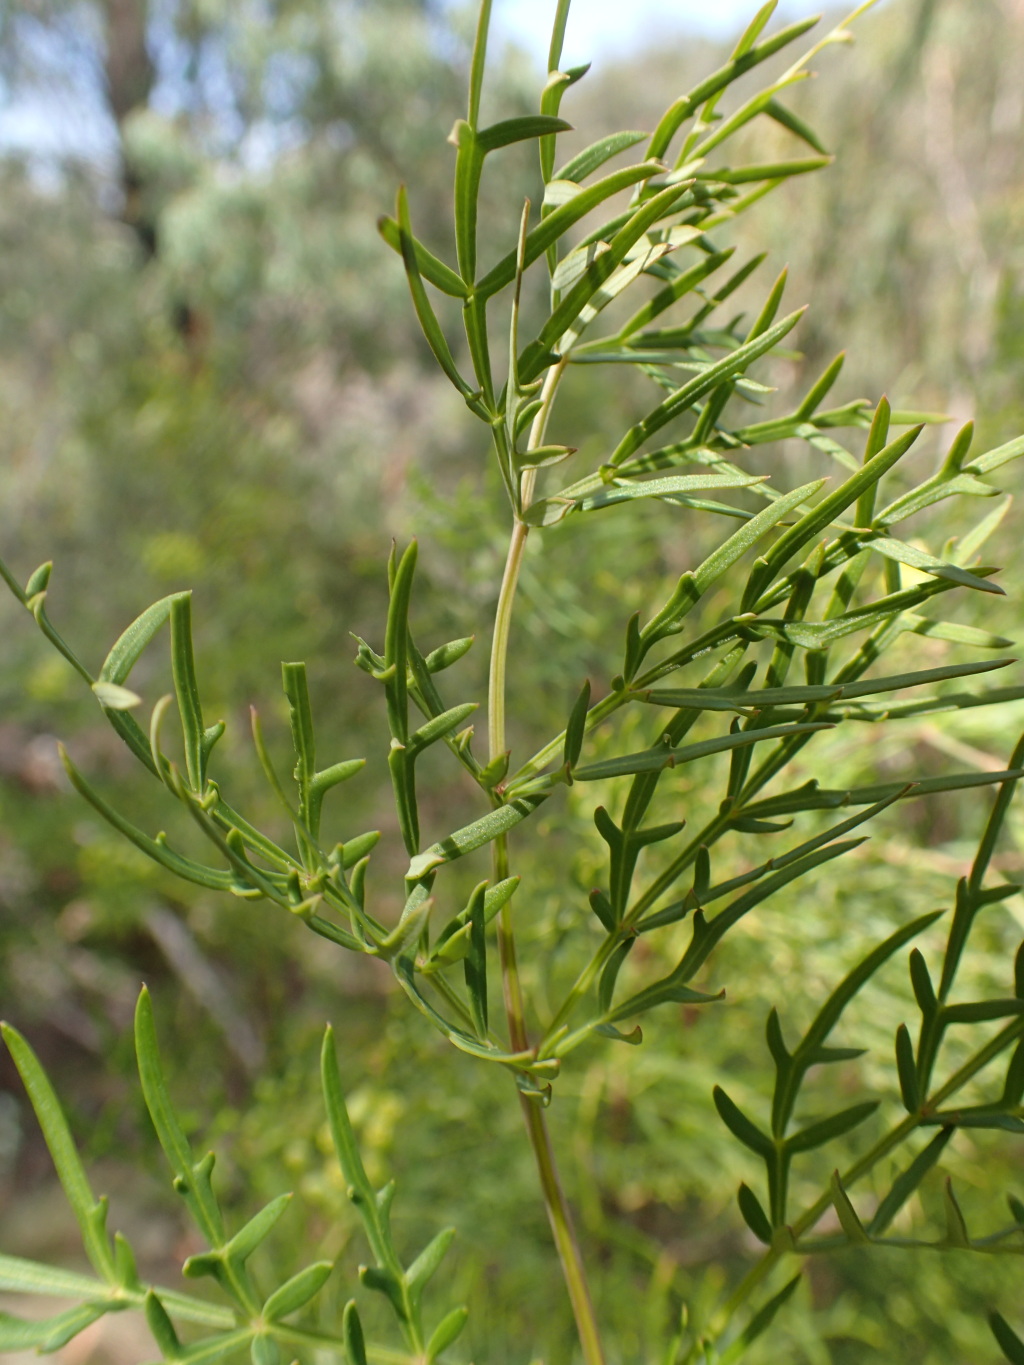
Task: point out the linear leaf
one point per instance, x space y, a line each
1010 1343
593 157
817 1134
474 836
88 1210
847 1214
48 1334
446 1332
754 1215
429 324
192 1178
298 1291
131 643
907 1182
440 275
19 1276
760 1322
686 396
653 760
556 224
686 106
740 1126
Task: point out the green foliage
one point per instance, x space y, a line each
769 645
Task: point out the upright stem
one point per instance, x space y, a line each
559 1215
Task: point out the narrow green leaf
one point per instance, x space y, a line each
474 836
908 1181
132 642
479 61
426 1263
1009 1342
438 726
593 157
475 962
817 1134
576 727
760 1322
186 690
192 1178
162 1328
812 523
88 1210
954 632
557 223
256 1230
772 170
429 324
754 1215
956 1228
446 1333
910 555
906 1068
48 1334
519 130
352 1334
995 459
796 125
435 271
653 760
847 1214
18 1276
830 1013
297 1292
740 1126
686 396
685 107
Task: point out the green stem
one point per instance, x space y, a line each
559 1215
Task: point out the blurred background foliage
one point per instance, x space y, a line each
211 378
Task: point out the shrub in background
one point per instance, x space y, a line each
699 747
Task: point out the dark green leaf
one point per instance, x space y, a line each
760 1322
740 1126
907 1182
956 1228
576 727
754 1215
817 1134
1009 1342
475 962
653 760
906 1068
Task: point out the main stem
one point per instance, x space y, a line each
559 1214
